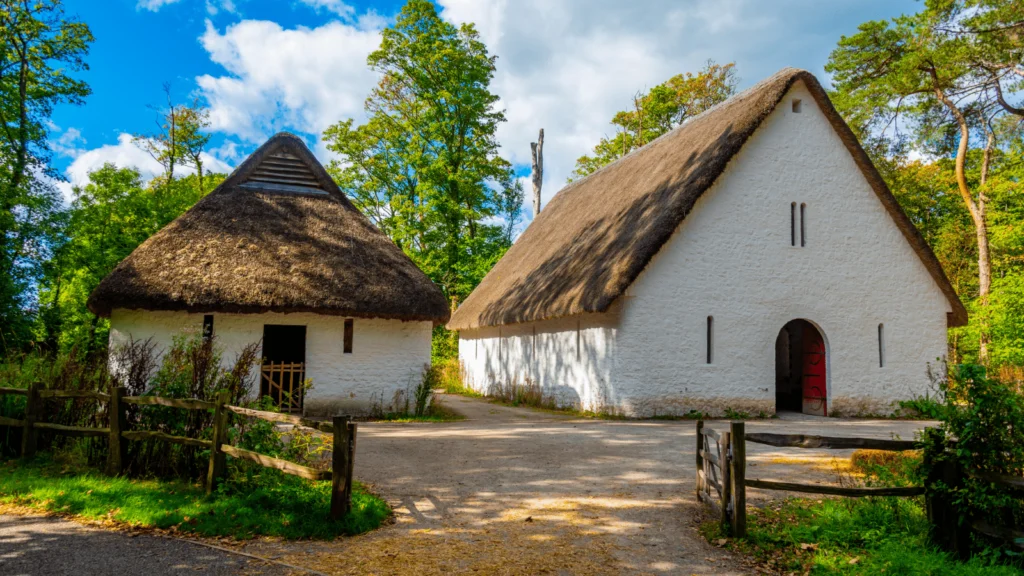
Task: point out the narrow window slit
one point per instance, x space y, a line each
792 224
803 224
881 346
711 339
207 327
797 106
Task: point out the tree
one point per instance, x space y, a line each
425 166
923 71
664 107
39 49
179 139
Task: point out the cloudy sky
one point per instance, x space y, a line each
300 65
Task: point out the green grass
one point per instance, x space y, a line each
268 503
853 536
437 412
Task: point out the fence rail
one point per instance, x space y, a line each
727 460
342 428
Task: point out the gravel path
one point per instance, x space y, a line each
39 545
506 491
519 491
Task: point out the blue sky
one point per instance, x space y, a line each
299 65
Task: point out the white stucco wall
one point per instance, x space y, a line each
732 259
387 355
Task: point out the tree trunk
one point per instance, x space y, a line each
977 210
537 170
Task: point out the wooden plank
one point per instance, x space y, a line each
711 502
1013 537
17 391
276 463
711 456
29 438
137 435
739 476
186 403
220 434
341 501
72 430
5 421
710 481
834 490
117 454
279 417
74 394
726 517
710 432
1003 479
700 460
830 442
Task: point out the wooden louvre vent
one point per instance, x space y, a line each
284 172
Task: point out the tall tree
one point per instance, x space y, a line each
425 166
664 107
39 50
923 72
179 140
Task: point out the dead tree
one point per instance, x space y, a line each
537 149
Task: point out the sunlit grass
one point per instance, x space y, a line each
269 503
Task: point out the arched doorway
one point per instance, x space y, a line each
801 372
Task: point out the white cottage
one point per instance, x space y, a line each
278 255
751 259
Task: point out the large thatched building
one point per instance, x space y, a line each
752 259
277 254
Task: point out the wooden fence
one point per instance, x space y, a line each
284 382
722 466
341 427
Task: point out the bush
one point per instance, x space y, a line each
983 434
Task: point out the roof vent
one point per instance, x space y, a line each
284 172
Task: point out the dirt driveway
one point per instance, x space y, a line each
517 491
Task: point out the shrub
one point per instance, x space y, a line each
982 432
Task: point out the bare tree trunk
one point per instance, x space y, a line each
977 210
537 170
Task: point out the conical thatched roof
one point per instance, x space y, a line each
277 236
597 234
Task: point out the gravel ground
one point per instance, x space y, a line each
519 491
38 545
506 491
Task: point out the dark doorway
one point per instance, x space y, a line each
800 369
284 365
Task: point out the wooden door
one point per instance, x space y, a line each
814 372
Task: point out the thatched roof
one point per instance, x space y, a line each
277 236
596 235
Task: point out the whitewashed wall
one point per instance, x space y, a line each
387 355
732 259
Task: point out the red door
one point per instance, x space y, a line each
814 373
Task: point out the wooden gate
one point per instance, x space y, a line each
714 471
284 383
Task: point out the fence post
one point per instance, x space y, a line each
352 426
340 464
220 417
739 476
700 459
725 463
117 453
29 435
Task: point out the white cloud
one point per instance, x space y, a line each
337 6
153 5
301 79
564 66
125 154
67 143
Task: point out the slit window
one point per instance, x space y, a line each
803 225
349 329
792 224
711 340
881 346
577 339
797 106
207 326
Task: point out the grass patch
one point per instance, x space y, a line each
268 503
853 535
436 412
